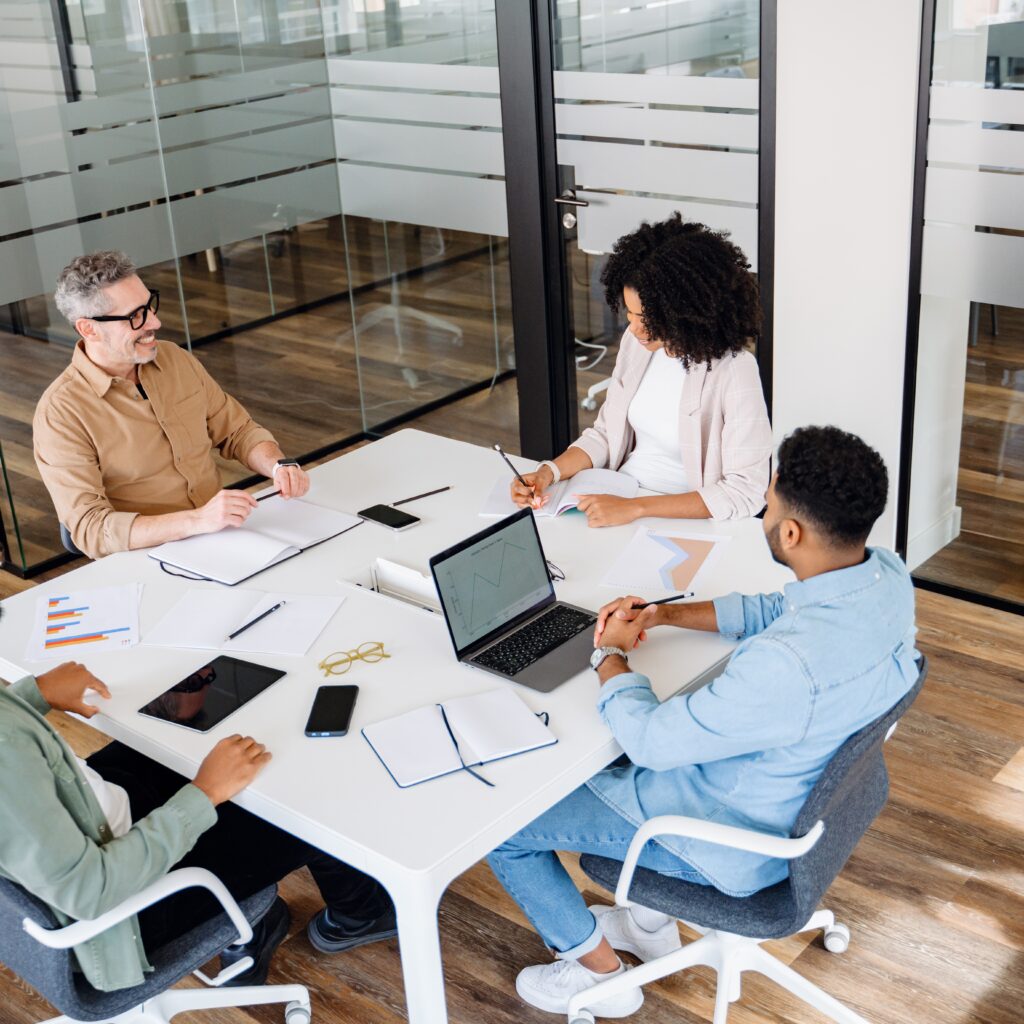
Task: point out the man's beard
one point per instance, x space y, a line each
772 536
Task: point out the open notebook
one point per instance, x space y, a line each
563 495
275 530
461 734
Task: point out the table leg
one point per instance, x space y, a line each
420 948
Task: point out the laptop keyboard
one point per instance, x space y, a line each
534 640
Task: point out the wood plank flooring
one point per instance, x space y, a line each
934 893
988 556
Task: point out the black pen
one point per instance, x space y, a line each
665 600
508 462
269 494
416 497
249 625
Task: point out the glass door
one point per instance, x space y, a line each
656 110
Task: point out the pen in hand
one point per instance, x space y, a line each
253 622
508 462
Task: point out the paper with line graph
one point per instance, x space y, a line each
670 560
71 623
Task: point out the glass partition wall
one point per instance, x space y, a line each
316 189
963 523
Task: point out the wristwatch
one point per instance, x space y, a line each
603 652
283 462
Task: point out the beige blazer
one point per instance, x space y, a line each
725 439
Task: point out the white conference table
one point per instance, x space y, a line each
334 793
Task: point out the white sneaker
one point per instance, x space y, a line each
551 986
623 933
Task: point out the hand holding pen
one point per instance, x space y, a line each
528 488
628 609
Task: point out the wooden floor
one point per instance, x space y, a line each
934 894
988 556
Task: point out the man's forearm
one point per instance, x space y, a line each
263 456
148 531
673 506
698 615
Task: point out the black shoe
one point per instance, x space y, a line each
267 934
336 933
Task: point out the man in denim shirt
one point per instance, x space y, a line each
816 663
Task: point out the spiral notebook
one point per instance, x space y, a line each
458 735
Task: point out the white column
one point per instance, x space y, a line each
847 102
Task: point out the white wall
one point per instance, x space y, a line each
847 101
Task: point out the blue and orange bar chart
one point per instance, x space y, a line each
62 621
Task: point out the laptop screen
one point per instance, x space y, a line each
488 580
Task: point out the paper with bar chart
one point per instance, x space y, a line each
664 560
71 623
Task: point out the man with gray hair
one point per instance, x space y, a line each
124 436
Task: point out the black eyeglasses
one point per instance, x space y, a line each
137 317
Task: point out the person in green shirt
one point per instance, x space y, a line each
84 836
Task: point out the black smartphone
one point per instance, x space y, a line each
332 711
392 518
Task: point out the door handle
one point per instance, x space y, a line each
568 198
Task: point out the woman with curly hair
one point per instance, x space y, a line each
685 413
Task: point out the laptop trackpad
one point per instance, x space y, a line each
559 665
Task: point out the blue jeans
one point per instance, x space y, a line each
526 865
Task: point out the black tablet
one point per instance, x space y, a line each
212 693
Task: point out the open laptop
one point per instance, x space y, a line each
500 606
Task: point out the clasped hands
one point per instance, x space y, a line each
600 509
624 622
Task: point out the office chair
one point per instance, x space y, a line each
38 949
848 796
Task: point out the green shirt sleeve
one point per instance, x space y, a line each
45 850
28 690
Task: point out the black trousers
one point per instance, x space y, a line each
245 852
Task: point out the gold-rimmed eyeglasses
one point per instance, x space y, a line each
340 662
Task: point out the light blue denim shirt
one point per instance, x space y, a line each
816 663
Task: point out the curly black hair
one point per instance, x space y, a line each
834 480
698 294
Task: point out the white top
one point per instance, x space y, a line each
654 417
113 800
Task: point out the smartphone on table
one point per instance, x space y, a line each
385 515
332 711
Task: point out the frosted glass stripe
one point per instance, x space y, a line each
610 216
984 198
678 90
684 172
418 197
973 103
687 127
965 264
431 108
734 37
29 53
395 75
451 149
261 207
969 144
37 204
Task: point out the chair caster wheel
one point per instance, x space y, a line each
837 938
583 1017
296 1013
590 404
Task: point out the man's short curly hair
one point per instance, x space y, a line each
698 295
834 480
79 291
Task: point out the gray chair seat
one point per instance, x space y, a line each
51 972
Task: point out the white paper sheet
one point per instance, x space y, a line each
669 560
69 624
204 619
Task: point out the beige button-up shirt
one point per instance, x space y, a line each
107 453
